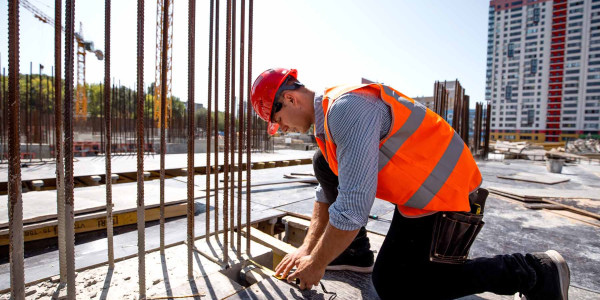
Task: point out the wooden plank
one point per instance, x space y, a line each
99 222
535 178
280 248
41 205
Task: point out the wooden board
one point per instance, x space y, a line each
41 206
537 194
535 178
96 222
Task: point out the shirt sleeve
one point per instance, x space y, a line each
354 123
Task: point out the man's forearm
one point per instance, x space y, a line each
332 244
318 223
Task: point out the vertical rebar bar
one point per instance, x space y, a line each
15 202
488 114
68 131
27 112
140 212
191 103
40 109
208 118
248 125
163 102
108 128
217 119
241 128
232 129
59 144
226 140
3 106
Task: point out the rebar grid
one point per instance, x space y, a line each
117 106
208 119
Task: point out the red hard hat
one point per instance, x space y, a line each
263 93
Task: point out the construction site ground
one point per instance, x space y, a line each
511 226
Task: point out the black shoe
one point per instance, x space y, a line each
553 277
358 257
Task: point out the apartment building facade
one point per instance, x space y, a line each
543 69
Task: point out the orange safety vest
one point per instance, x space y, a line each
424 165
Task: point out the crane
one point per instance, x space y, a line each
83 46
157 71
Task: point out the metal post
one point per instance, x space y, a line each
59 143
107 119
15 202
191 103
68 131
163 102
140 213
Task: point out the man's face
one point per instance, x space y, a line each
293 116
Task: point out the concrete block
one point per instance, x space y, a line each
37 185
114 178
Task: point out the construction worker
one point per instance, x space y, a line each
376 142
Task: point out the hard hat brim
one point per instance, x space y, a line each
272 128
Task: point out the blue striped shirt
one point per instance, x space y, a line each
357 122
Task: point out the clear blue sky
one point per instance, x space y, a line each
406 44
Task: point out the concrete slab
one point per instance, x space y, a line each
87 166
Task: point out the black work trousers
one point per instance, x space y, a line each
403 269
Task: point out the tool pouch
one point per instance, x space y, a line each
454 232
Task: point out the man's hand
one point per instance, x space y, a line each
289 261
308 271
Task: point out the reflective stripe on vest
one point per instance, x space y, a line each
421 178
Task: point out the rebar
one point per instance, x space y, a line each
226 140
241 129
208 119
249 125
488 114
191 132
232 127
140 214
58 144
40 112
216 189
68 131
163 144
108 128
15 202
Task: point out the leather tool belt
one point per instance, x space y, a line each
454 232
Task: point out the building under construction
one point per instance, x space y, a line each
117 192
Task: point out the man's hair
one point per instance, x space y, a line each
290 83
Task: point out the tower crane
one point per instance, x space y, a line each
157 71
83 46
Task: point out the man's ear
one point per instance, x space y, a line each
289 97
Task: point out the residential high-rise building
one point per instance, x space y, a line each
543 69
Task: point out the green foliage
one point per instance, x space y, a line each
124 99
